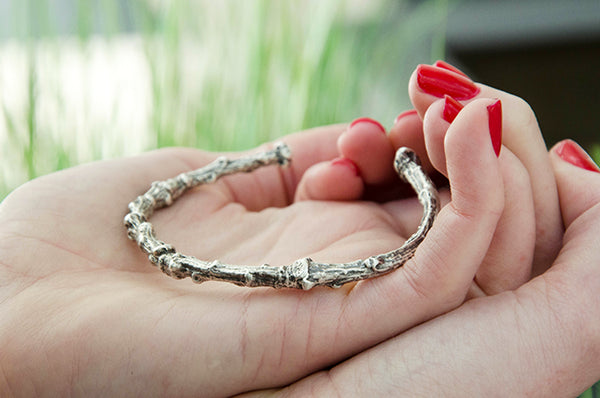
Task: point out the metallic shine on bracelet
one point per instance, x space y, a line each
303 273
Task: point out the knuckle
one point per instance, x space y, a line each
521 113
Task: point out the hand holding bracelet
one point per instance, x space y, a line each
303 273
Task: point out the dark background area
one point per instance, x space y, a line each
547 52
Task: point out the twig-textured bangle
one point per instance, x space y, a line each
303 273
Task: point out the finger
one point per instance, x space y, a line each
363 146
444 265
577 179
507 264
367 145
338 179
521 135
407 131
575 276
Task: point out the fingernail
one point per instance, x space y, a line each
446 65
439 82
405 114
571 152
345 162
368 120
495 125
451 108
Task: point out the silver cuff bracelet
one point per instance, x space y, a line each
303 273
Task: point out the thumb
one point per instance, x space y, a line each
577 179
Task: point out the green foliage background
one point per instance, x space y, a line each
222 75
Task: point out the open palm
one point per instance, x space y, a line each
83 309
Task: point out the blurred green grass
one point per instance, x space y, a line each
216 75
223 75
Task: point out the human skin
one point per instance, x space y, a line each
83 312
540 340
522 136
509 262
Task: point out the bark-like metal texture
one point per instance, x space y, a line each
303 273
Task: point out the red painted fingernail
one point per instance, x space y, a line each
571 152
495 125
451 108
439 82
341 161
368 120
446 65
405 114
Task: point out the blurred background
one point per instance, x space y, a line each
82 80
90 79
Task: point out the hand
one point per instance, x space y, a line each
530 230
541 340
523 139
84 311
93 297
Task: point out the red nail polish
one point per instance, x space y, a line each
405 114
368 120
571 152
439 82
341 161
495 125
451 108
446 65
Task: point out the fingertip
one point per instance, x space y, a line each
571 152
406 115
451 109
495 125
346 163
430 82
362 120
367 145
577 179
338 179
471 161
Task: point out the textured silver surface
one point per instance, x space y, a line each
303 273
